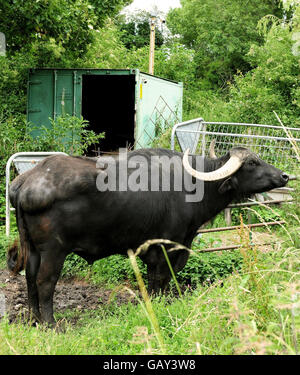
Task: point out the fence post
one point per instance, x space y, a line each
227 213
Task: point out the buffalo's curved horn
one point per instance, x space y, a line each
212 153
231 166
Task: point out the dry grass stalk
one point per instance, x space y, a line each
290 137
148 304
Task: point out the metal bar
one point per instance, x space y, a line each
33 161
234 227
174 129
249 125
232 247
210 249
238 135
281 147
74 92
54 93
203 141
282 190
234 205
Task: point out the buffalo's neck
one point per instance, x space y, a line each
213 200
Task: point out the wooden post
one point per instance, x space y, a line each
227 213
152 45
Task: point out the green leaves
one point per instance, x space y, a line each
221 33
135 31
67 134
69 22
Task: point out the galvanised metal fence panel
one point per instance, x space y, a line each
23 161
271 143
188 139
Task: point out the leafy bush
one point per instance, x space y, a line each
209 267
74 265
116 269
13 139
4 243
67 134
257 214
111 270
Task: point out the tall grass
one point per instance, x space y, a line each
253 311
148 305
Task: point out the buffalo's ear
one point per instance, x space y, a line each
225 186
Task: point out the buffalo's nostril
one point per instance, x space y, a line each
285 177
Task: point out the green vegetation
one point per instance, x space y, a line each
250 311
117 269
237 63
66 23
221 35
135 30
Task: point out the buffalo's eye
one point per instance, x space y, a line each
252 163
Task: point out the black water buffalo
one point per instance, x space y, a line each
62 207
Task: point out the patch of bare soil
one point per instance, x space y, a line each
69 294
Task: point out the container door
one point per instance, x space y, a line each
67 93
159 107
40 101
52 93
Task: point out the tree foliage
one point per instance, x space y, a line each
68 22
221 32
107 8
271 84
135 30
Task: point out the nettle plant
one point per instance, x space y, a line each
67 134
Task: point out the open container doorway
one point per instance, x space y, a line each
108 103
129 106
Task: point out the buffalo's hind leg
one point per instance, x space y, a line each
51 265
32 268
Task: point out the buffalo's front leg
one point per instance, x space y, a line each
158 279
158 270
51 265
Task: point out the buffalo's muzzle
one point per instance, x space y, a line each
284 178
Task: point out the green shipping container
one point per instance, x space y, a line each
131 107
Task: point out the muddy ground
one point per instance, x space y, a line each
69 294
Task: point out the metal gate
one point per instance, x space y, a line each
273 144
23 161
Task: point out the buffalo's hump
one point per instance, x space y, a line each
57 177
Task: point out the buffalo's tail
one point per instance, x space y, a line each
18 253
